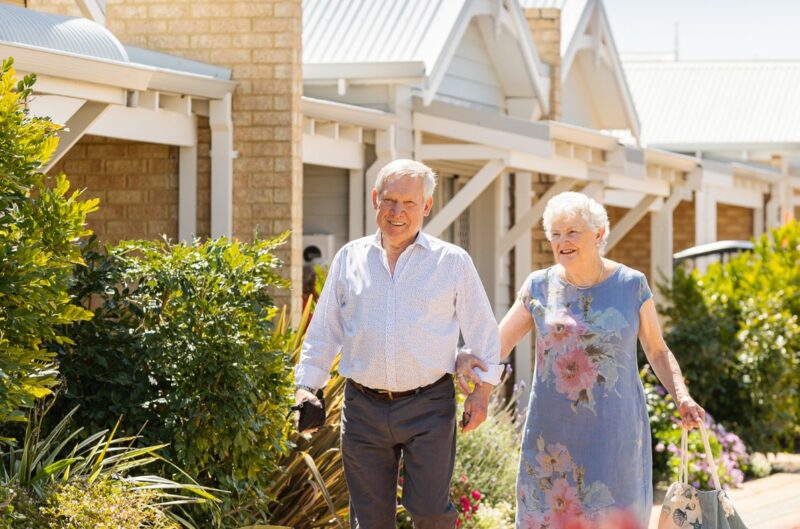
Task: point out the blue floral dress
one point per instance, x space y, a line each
586 443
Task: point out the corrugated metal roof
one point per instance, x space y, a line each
73 35
377 30
716 103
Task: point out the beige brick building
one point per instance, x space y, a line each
211 118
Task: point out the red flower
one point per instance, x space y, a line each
476 495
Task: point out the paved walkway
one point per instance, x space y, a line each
767 503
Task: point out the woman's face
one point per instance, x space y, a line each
573 241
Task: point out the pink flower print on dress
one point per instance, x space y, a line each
562 502
574 373
562 331
555 459
534 520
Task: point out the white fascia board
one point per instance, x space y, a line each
554 165
649 186
619 74
681 162
485 128
733 147
139 124
733 196
47 85
322 150
362 71
756 173
77 67
343 113
128 76
190 84
583 136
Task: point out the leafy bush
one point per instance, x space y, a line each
735 333
56 481
39 226
184 338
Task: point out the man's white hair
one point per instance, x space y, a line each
570 204
411 168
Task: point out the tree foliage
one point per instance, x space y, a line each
735 333
40 224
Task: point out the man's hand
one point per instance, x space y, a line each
476 407
301 396
465 362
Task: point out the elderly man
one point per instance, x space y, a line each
394 304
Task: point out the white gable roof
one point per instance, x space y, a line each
585 26
717 105
393 39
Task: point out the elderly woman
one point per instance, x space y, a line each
586 443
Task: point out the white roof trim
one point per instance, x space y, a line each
343 113
124 75
594 8
363 71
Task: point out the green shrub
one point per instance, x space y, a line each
184 338
735 333
39 226
57 481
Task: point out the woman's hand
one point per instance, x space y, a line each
692 414
465 362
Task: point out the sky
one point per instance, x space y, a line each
708 29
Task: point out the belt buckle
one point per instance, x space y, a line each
385 392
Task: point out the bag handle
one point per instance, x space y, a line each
683 471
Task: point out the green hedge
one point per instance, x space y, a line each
184 339
735 333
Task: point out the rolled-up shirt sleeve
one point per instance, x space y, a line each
477 322
325 332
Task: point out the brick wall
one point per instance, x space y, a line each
137 184
683 226
261 43
634 249
58 7
545 26
734 222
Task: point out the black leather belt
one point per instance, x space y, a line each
385 394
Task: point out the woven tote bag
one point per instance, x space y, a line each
686 507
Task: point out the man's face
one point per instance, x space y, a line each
400 208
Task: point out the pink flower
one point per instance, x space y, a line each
574 373
562 501
555 459
533 520
476 495
562 331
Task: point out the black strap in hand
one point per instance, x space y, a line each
312 416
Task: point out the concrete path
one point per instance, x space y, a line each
767 503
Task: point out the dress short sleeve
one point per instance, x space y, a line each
644 293
524 293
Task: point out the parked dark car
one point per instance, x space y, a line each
721 250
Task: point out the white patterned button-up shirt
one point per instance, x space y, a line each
399 332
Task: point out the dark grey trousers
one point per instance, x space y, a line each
375 433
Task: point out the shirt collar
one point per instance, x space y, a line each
422 240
